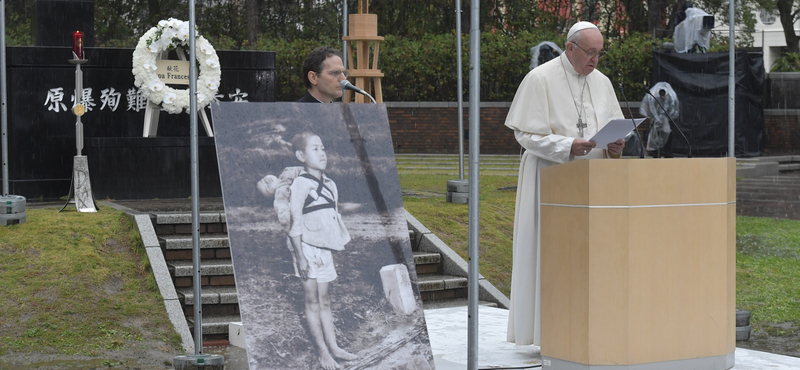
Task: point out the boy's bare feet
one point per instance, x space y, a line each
327 362
342 354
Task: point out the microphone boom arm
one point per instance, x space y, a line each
635 129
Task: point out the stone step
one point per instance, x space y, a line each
210 267
777 195
173 218
180 222
210 295
428 263
457 302
214 324
177 242
430 283
768 181
427 258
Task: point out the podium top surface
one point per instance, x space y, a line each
640 182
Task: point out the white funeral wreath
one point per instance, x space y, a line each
171 34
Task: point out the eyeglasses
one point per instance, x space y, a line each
336 74
591 54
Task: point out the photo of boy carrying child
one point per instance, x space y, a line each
316 230
302 187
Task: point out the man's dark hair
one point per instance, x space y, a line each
314 61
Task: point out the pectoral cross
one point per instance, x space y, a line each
581 126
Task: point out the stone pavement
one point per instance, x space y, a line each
447 329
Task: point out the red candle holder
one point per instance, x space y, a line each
77 44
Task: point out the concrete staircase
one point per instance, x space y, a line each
442 280
773 190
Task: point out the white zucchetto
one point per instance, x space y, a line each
582 25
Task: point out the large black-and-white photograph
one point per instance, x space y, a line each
318 236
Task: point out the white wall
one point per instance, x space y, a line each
768 35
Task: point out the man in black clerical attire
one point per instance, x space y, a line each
323 70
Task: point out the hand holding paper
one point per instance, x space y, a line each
615 129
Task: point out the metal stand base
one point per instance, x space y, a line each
80 187
199 362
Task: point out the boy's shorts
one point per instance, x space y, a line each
320 264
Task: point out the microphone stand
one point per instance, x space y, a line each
675 125
635 129
346 85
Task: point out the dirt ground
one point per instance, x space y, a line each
783 338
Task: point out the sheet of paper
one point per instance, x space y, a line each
615 129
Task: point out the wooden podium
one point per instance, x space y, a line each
639 264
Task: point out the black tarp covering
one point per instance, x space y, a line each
701 83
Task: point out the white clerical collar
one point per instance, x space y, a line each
571 69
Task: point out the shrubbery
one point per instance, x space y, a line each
425 69
788 62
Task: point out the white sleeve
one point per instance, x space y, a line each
555 148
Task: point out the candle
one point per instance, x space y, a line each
77 44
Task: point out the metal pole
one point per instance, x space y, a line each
460 94
3 100
78 100
198 301
474 176
344 32
731 83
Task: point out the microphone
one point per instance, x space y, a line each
662 92
630 113
346 85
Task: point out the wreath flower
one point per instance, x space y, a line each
168 35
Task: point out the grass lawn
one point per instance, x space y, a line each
78 284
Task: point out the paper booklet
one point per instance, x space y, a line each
615 129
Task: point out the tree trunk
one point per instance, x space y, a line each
654 22
673 18
787 21
252 15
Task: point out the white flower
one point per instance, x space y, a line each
172 108
162 23
170 97
156 85
175 23
205 47
200 99
150 67
168 35
211 83
183 32
158 45
213 62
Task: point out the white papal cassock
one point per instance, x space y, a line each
544 116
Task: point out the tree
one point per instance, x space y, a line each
789 15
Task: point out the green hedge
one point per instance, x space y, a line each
425 69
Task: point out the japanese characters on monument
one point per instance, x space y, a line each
110 99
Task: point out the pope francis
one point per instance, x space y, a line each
557 108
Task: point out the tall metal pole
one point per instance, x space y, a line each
460 94
344 33
731 82
3 100
78 100
474 176
198 300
